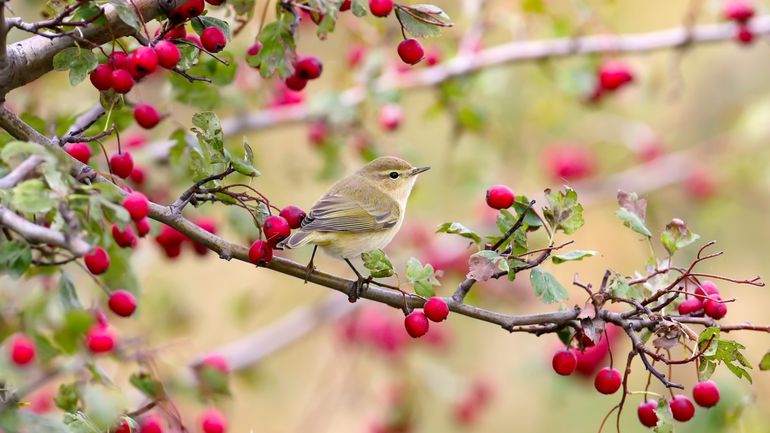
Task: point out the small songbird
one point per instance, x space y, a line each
360 213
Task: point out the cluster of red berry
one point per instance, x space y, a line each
740 12
275 228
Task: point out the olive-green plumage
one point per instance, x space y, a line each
361 212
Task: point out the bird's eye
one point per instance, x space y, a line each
393 175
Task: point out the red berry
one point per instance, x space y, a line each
151 424
738 10
564 362
213 421
100 340
614 75
97 261
707 288
744 35
276 229
122 164
416 324
122 81
345 5
607 380
178 32
101 77
142 227
145 60
213 39
309 68
410 51
194 39
122 303
124 238
146 116
433 57
191 9
569 162
294 82
168 54
681 408
260 252
215 2
293 215
124 427
706 393
254 49
79 151
436 309
218 362
118 60
381 8
137 175
22 349
318 132
690 305
500 197
646 413
137 205
390 117
210 226
714 307
170 236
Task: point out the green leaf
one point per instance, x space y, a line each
202 22
572 256
423 278
563 211
665 418
15 257
145 383
78 422
32 196
378 263
720 351
198 94
620 288
483 265
278 52
677 236
359 7
69 335
764 364
80 62
245 166
188 57
14 149
422 20
210 138
530 219
243 7
127 14
459 229
67 397
68 294
212 380
506 220
632 212
547 288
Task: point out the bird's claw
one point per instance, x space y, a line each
309 270
359 287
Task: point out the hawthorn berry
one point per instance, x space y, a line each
690 305
260 252
137 205
706 393
744 35
276 229
345 5
646 413
433 57
122 81
569 162
137 175
614 75
309 68
714 307
410 51
124 238
79 151
22 350
681 408
213 39
254 49
178 32
191 9
355 55
151 424
100 339
500 197
217 362
381 8
194 39
213 421
215 2
97 261
416 324
390 117
436 309
122 303
295 82
564 362
101 77
210 226
146 116
121 164
118 60
145 60
142 227
123 427
293 215
318 132
707 288
739 11
168 54
607 381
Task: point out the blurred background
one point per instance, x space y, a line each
690 133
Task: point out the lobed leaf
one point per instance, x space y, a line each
547 288
378 263
459 229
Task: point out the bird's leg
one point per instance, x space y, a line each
310 266
360 285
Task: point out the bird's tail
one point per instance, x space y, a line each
296 240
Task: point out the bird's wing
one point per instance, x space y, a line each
337 213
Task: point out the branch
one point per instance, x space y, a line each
3 37
34 233
20 172
82 123
514 52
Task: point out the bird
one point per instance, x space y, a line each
360 213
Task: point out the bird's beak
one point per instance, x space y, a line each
418 170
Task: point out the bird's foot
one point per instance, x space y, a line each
359 287
309 270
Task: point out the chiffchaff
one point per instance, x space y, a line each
360 213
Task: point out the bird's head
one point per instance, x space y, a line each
392 175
